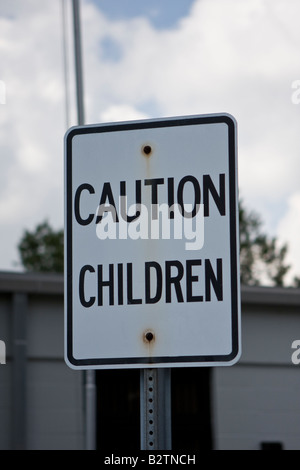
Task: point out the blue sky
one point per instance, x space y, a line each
161 13
146 59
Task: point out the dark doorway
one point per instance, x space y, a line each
118 410
118 415
191 409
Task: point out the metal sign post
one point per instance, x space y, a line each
155 406
89 375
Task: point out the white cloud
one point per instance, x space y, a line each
32 120
121 113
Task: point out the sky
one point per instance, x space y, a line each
145 60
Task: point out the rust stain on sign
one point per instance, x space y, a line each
148 338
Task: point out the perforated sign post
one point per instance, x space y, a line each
152 276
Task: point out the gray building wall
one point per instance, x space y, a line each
258 400
41 405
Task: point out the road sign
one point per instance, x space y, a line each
151 244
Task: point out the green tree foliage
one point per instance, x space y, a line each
42 250
297 281
262 261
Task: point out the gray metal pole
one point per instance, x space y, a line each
90 382
90 411
65 61
155 409
78 62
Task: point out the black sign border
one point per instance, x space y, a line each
235 294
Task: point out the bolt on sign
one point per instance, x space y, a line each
151 244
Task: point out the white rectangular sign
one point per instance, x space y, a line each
151 244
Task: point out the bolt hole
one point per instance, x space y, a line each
149 336
147 149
